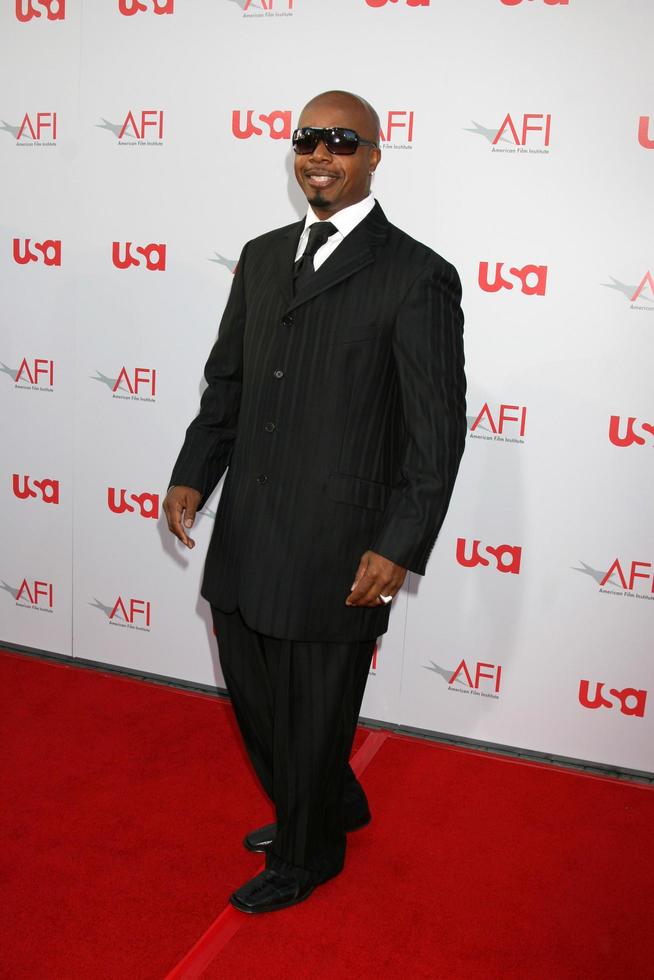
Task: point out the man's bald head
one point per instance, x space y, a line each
358 108
332 181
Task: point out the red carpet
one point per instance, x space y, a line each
125 803
474 867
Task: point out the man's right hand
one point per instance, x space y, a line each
180 506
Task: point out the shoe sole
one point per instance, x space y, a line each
269 908
264 847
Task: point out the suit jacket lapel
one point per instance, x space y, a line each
353 254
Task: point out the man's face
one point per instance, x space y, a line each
332 182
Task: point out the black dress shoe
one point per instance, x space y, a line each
269 891
261 839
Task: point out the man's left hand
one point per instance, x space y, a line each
376 576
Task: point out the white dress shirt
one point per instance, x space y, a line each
344 221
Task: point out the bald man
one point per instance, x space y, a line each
336 403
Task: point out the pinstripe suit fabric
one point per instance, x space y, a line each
297 706
340 413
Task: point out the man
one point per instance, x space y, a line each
336 397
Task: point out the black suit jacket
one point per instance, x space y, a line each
340 413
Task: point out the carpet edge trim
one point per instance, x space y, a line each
230 920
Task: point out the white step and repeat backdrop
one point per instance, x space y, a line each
142 142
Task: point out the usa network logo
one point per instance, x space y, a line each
139 127
502 558
265 8
630 700
396 129
33 594
630 432
151 257
47 252
276 124
480 679
137 384
127 612
640 294
141 504
25 488
128 8
36 129
625 577
33 374
499 423
526 133
26 10
644 138
532 279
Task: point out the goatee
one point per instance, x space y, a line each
318 201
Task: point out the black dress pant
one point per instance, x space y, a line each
297 705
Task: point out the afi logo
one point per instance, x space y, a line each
26 9
48 489
532 287
494 675
646 282
507 557
229 264
154 255
139 126
397 119
643 291
50 251
635 708
373 662
278 123
148 503
37 592
409 3
525 128
267 4
503 418
35 371
36 128
139 379
130 7
630 435
550 3
131 610
628 582
644 138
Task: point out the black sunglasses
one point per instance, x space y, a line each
342 142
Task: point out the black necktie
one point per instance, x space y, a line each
319 232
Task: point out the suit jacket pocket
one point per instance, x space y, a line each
343 340
355 490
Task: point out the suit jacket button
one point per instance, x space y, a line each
278 373
262 478
287 321
269 426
